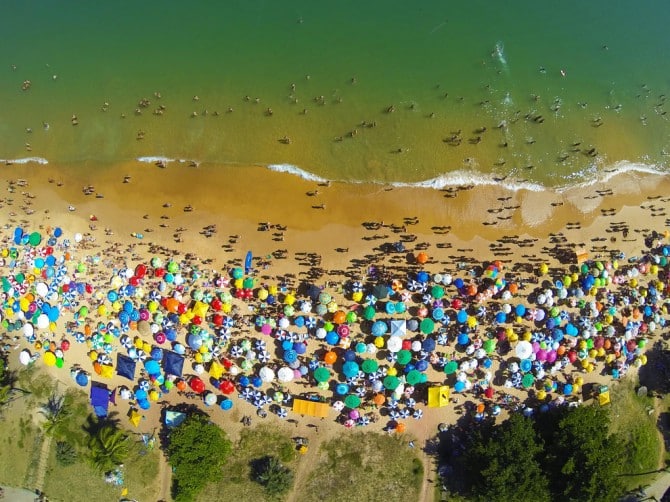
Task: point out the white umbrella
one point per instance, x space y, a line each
285 374
394 415
284 322
199 369
282 413
394 344
418 414
524 349
267 374
338 405
24 357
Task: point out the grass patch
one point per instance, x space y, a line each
364 466
253 444
631 418
18 437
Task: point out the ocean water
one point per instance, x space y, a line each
524 93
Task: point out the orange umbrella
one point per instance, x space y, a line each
339 317
400 428
330 357
422 257
379 399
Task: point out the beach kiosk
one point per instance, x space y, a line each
438 396
310 408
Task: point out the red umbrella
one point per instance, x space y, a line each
227 387
489 392
197 385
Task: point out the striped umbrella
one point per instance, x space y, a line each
418 414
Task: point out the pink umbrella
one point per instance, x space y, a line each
354 415
160 337
266 329
343 330
349 424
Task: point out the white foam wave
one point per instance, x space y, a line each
605 174
26 160
164 160
467 178
296 171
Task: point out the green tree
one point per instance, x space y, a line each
66 454
275 477
55 413
501 462
583 460
7 381
197 451
108 448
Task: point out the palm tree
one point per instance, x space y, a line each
269 472
108 447
55 413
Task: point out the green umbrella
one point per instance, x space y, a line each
321 374
352 401
437 292
370 366
34 239
352 317
404 356
172 267
248 283
528 381
414 377
391 382
369 313
451 367
490 346
427 326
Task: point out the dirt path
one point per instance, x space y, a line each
306 462
164 479
42 462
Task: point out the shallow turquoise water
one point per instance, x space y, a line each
468 65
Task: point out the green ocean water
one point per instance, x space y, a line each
354 91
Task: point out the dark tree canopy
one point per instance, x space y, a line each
502 463
197 451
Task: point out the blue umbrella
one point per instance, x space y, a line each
332 338
256 381
422 276
390 308
463 339
422 365
300 348
379 328
350 369
428 345
459 386
520 310
299 321
290 356
341 389
526 365
226 404
438 314
287 345
349 355
501 317
81 379
244 381
462 316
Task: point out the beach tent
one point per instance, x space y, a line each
173 363
398 327
135 417
125 367
106 370
216 370
174 418
604 396
99 399
310 408
581 255
438 396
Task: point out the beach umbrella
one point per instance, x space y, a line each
290 356
350 369
226 404
379 328
352 401
394 344
285 374
370 366
338 405
427 326
418 414
321 374
528 380
524 349
451 367
266 374
404 357
197 385
414 377
391 382
459 386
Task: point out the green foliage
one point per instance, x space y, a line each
197 451
108 448
583 460
55 413
502 463
275 478
568 454
66 454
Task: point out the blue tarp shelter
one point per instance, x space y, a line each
173 363
174 418
125 366
99 399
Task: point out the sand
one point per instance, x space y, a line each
213 214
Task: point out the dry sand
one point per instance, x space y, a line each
457 227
